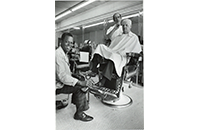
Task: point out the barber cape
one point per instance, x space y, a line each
118 48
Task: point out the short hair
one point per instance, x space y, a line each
64 35
128 21
116 14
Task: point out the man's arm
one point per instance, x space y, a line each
64 73
111 31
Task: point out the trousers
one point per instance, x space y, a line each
78 96
106 66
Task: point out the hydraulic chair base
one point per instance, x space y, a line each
122 101
111 99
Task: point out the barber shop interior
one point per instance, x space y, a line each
99 65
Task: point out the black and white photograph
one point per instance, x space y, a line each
99 65
83 65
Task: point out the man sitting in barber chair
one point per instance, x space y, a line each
112 59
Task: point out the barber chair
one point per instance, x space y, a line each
133 71
112 92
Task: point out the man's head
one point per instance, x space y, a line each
117 18
126 25
66 42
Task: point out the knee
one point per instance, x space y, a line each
77 89
57 91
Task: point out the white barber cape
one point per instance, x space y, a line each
118 48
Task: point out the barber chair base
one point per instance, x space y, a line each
123 101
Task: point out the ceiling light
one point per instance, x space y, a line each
76 28
82 5
63 14
91 25
74 9
130 16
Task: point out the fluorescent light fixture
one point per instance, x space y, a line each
110 21
63 14
82 5
141 13
74 9
95 24
130 16
76 28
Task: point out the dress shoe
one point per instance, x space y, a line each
82 117
92 74
84 89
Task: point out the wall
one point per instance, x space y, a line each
98 35
57 35
99 13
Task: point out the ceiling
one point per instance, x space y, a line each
61 6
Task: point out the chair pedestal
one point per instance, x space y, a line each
109 100
122 101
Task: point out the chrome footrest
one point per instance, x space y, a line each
104 93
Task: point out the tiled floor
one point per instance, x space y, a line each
106 118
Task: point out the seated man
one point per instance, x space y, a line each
65 83
115 54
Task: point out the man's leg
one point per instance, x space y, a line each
94 62
108 69
79 99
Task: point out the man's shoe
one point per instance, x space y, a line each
84 89
92 74
83 117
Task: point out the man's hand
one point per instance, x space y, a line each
87 83
81 83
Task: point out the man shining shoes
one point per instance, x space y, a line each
66 83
